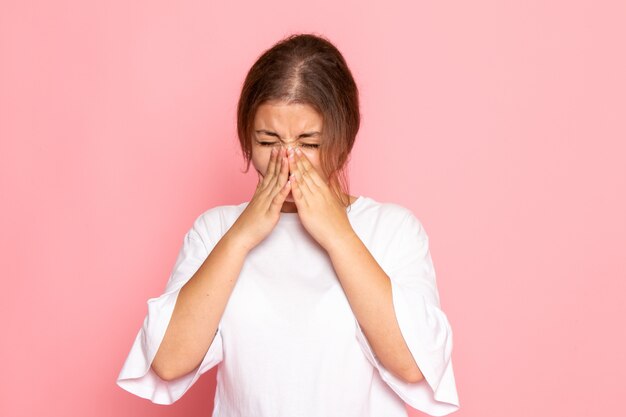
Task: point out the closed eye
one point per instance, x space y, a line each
308 145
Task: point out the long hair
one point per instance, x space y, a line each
306 69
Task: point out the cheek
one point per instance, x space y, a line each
316 163
260 160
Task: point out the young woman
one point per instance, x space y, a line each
311 301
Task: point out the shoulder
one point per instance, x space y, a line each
389 224
388 214
211 224
391 231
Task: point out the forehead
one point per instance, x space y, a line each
280 115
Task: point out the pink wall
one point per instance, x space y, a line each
501 124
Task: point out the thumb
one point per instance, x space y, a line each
279 198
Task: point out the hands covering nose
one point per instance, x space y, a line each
320 211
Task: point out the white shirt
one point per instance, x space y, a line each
288 343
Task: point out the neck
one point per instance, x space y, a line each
290 206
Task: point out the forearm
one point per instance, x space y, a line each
199 308
368 289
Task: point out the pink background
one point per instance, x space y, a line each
500 124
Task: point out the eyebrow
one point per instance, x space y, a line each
303 135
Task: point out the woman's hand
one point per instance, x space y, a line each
320 211
263 211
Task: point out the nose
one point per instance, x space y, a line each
289 146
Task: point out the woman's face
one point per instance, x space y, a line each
279 124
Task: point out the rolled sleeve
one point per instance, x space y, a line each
136 375
424 326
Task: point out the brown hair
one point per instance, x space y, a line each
306 69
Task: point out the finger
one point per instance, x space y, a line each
260 178
296 174
277 161
282 174
271 167
308 169
299 175
305 177
296 190
307 192
279 198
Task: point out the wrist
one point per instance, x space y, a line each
340 241
236 242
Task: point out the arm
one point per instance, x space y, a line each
366 285
202 300
199 308
368 290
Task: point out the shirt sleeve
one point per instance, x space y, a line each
423 325
137 376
